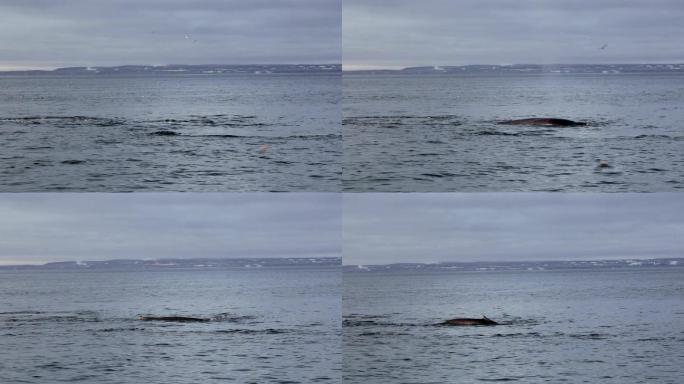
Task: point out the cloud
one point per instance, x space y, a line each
391 33
391 228
41 33
36 228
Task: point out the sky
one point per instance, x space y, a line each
460 227
44 34
46 227
404 33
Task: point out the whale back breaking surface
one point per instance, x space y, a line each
464 321
550 122
178 319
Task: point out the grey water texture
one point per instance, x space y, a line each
572 326
267 325
221 132
425 132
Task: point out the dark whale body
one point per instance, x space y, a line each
547 122
178 319
469 321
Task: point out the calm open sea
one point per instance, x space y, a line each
437 133
268 326
177 133
599 326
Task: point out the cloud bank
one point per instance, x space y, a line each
401 33
58 33
44 227
418 227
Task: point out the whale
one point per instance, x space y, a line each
177 319
544 121
465 321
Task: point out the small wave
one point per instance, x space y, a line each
361 320
439 175
21 313
378 323
47 317
519 321
388 117
362 316
494 133
53 366
652 170
374 334
234 121
229 136
331 136
359 323
217 318
244 331
232 318
396 121
529 132
517 335
589 336
652 137
657 339
65 120
314 137
221 120
42 163
128 329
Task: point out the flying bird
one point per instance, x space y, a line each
603 46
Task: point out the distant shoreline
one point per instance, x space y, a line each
529 69
475 266
183 69
178 264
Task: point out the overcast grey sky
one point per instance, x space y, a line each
401 33
37 228
417 227
57 33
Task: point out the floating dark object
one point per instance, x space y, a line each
165 133
469 321
602 164
547 122
177 319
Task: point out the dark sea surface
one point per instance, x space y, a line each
600 326
170 132
437 133
268 326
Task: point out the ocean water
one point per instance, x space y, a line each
173 132
269 326
600 326
438 133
